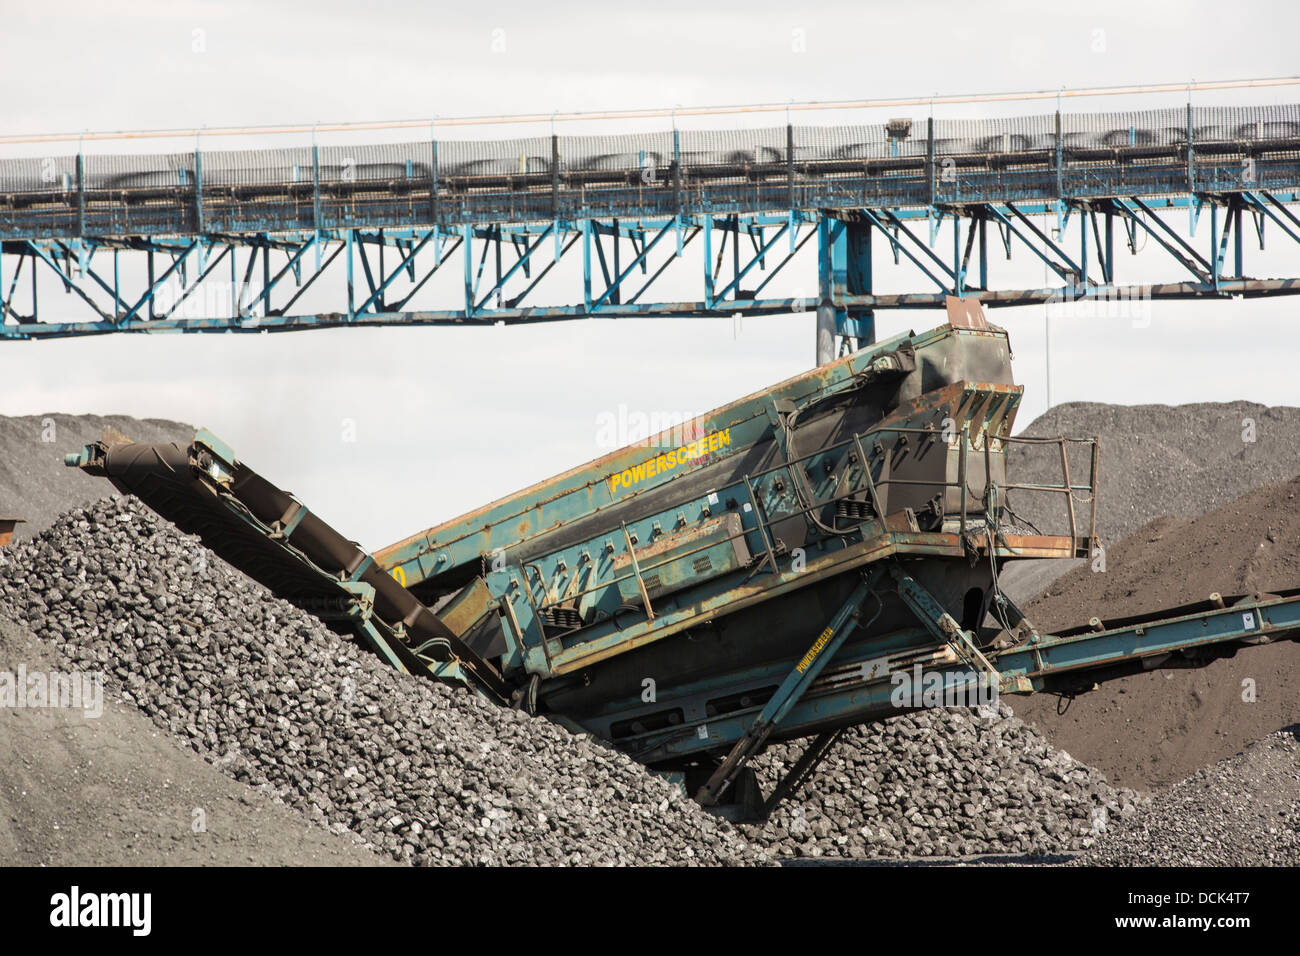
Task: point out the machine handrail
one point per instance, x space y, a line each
763 523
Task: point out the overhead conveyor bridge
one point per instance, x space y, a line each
556 227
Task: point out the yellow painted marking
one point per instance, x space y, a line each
814 651
678 457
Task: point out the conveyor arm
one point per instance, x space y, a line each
273 538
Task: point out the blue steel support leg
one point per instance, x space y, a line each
496 253
351 298
616 296
844 269
1238 247
984 253
467 247
843 624
829 233
266 278
1083 250
586 264
1216 258
859 323
958 266
735 252
708 261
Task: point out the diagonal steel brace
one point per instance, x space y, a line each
939 622
843 624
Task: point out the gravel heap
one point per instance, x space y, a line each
1243 811
429 774
1151 730
108 789
1180 460
941 783
1156 460
426 773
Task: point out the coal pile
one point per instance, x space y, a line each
1158 460
1243 811
1152 729
102 787
940 783
422 772
429 774
1251 545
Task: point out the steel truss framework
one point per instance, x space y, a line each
207 279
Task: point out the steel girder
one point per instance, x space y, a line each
253 281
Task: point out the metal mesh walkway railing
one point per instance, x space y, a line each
649 153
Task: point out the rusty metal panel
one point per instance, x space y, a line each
7 529
966 313
684 557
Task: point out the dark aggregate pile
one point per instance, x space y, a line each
422 772
1243 811
111 790
432 775
1157 460
941 783
1152 729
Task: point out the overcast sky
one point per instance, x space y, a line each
446 419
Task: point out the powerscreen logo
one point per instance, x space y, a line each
77 909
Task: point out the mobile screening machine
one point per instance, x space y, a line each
766 572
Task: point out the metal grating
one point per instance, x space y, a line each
628 152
